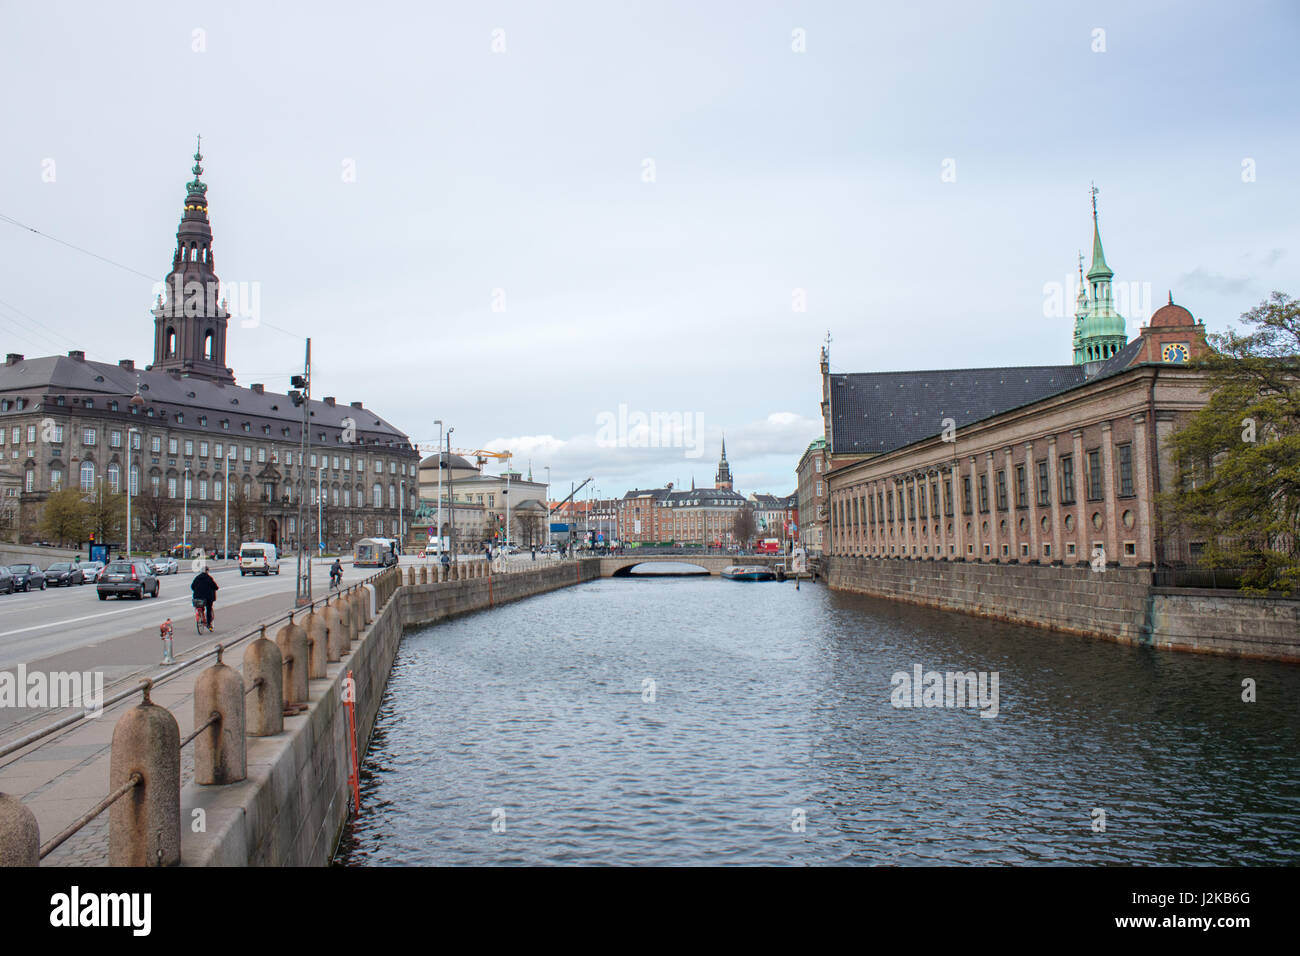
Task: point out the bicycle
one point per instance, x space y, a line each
336 582
201 618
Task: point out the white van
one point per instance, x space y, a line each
258 557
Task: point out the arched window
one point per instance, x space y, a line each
169 349
334 496
194 252
379 495
87 475
208 340
115 477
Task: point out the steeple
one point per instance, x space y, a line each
723 478
1099 330
189 320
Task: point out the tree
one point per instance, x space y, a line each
529 526
155 512
106 515
1238 458
243 511
743 527
65 516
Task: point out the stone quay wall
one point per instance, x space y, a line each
292 808
1117 604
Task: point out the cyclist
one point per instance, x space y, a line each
205 593
336 573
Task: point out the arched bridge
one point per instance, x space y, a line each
620 566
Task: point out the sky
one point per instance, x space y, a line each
540 221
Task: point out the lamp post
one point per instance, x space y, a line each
185 512
320 500
401 522
451 501
129 449
438 422
225 524
546 512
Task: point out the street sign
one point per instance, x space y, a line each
557 527
432 532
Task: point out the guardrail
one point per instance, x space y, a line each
144 765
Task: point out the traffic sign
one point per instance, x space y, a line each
432 532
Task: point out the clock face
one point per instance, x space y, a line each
1175 352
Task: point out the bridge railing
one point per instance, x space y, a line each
144 771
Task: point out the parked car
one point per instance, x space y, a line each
6 580
27 576
92 569
63 574
166 565
135 578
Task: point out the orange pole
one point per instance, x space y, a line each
355 777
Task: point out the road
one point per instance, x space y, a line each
70 629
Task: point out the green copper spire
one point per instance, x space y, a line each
1099 267
197 187
1099 331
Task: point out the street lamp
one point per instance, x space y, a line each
547 511
129 466
185 513
438 422
320 499
225 552
451 491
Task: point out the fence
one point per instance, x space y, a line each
144 772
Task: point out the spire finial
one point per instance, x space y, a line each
1094 191
1080 266
1171 296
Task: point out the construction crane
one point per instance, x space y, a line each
480 455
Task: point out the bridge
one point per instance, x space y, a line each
620 566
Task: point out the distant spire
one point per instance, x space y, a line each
1171 296
196 187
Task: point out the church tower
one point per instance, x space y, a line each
1100 332
189 321
722 480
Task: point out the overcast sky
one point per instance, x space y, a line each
517 217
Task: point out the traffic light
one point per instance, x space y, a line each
92 537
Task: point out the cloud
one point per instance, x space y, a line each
1202 280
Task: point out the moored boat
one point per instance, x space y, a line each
748 573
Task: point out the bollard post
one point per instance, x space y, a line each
318 646
20 837
263 662
144 827
357 608
336 634
424 574
220 756
410 576
292 641
345 621
363 599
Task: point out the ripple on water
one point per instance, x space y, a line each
771 708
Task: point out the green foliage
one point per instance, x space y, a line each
1239 457
65 518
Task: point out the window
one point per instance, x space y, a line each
817 465
217 450
947 497
30 480
155 444
819 489
203 522
379 467
154 484
880 508
1125 470
115 439
1067 479
965 494
135 440
88 436
347 464
135 480
1002 489
203 489
313 459
171 446
115 477
1044 485
921 495
378 498
216 489
336 462
392 467
871 509
31 434
248 453
87 475
984 493
261 456
203 449
1022 487
1094 475
171 487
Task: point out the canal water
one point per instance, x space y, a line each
701 721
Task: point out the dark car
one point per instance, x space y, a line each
135 577
62 574
27 576
6 580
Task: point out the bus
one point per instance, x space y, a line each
768 546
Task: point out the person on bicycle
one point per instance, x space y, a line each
336 573
205 593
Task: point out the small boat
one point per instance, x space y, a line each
748 573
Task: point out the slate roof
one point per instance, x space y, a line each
704 496
877 412
62 375
1120 360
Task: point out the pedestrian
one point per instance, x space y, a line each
534 552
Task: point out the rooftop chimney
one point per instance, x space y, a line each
77 356
128 364
13 358
329 400
259 388
356 405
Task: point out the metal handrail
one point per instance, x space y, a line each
165 676
58 840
